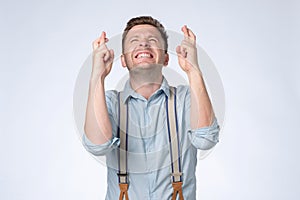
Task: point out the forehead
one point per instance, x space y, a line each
143 30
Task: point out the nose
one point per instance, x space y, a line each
144 43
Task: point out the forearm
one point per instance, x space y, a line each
202 113
97 122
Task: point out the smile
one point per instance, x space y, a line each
143 55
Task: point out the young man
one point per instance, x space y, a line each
144 143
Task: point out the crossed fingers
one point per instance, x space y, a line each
100 46
100 41
188 34
188 43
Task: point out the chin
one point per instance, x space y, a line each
148 65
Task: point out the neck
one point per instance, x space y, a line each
146 80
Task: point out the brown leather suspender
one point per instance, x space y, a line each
173 134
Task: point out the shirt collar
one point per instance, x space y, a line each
129 92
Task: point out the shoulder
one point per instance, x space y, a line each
183 96
182 90
112 94
111 97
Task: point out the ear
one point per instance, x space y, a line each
123 62
166 62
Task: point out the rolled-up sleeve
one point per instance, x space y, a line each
114 142
100 149
205 138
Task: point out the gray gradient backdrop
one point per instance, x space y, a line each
253 44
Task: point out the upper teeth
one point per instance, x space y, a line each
144 55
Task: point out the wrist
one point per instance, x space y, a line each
97 80
194 73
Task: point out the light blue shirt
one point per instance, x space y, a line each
149 165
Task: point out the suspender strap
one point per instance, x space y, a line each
173 140
122 153
174 144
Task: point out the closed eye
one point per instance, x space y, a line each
133 40
153 40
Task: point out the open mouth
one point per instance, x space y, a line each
144 55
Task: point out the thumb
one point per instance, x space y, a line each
178 50
181 52
112 54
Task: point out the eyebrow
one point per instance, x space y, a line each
137 36
130 37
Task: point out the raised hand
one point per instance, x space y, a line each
102 57
187 51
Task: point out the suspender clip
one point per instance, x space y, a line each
122 174
177 174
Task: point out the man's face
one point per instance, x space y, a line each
143 46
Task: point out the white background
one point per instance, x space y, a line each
253 44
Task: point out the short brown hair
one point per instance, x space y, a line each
146 20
